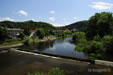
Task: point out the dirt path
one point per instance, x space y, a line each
9 46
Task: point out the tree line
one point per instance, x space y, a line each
97 39
42 28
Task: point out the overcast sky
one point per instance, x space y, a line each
56 12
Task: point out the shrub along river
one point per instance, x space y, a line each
63 47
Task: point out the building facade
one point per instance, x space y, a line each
14 32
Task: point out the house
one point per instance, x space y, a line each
59 31
67 30
14 32
62 31
32 32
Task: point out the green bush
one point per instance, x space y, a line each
108 43
28 40
79 37
54 71
97 38
82 40
97 47
37 73
95 55
94 49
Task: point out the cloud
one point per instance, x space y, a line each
6 19
22 12
75 18
58 25
52 18
33 19
101 6
52 12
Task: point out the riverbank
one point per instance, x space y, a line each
20 43
17 63
47 38
9 46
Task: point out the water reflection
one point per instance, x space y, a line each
44 45
60 46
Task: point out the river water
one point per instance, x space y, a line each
63 47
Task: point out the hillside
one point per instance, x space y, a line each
81 25
30 24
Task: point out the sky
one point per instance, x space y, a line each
56 12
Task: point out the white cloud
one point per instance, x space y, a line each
6 19
52 12
101 5
33 19
52 18
22 12
59 25
75 18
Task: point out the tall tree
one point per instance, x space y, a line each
27 31
40 33
101 24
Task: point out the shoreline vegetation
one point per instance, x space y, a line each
21 42
97 40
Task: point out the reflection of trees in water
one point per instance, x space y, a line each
59 41
68 39
43 45
39 46
27 48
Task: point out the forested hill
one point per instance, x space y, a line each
30 24
81 25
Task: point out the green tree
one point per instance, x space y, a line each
3 34
97 38
101 24
108 43
40 33
79 37
22 35
27 31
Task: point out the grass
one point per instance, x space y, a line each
11 42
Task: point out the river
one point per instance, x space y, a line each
63 47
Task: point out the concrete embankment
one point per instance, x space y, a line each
98 62
17 63
102 62
54 56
